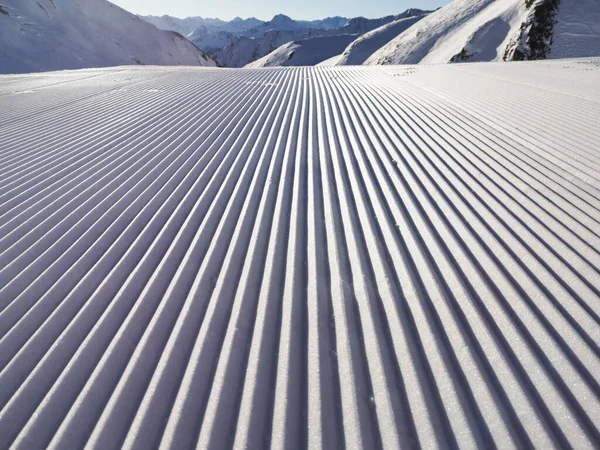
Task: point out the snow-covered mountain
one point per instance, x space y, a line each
306 52
244 50
206 33
285 23
329 23
368 43
211 35
182 26
362 25
42 35
495 30
241 41
352 44
211 39
268 37
188 25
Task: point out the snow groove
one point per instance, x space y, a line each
300 257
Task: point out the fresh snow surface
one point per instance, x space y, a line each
367 44
46 35
306 52
398 257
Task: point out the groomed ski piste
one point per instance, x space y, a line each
398 256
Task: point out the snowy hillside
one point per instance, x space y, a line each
306 52
40 35
367 44
398 257
445 32
495 30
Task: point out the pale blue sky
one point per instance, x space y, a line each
265 9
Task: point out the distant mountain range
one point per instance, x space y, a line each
241 41
351 47
212 35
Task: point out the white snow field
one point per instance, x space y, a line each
301 257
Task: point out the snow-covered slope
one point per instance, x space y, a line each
494 30
399 257
306 52
487 25
368 43
39 35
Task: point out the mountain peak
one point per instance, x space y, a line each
281 18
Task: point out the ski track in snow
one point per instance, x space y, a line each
369 257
